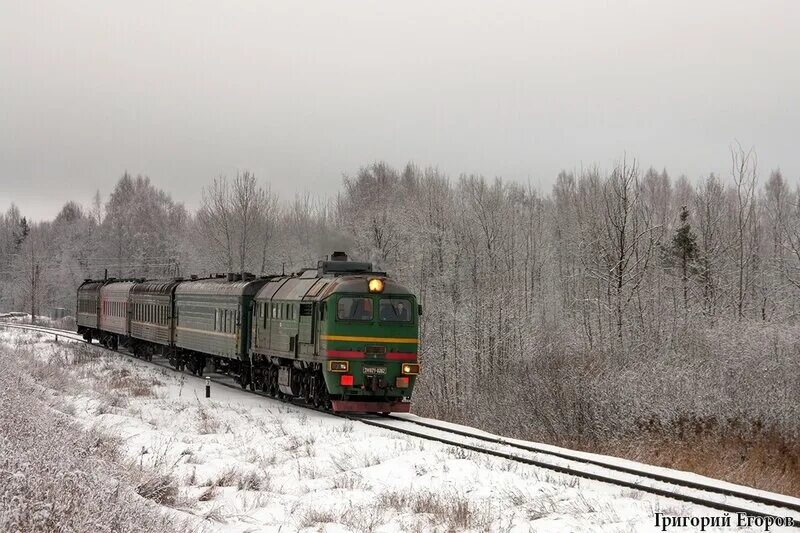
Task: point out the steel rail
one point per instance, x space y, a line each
664 478
713 504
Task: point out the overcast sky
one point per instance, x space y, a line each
302 92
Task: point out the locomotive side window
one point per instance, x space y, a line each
354 309
395 310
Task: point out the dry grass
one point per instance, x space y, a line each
208 494
57 476
206 423
132 384
759 458
453 510
162 488
227 478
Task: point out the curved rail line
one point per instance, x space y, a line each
664 478
508 455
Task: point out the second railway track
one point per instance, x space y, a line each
723 498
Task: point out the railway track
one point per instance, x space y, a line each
723 497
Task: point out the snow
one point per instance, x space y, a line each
248 463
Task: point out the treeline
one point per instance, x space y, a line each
571 315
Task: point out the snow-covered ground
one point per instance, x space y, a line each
244 463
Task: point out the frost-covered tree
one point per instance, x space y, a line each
141 230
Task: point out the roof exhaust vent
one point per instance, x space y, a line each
340 265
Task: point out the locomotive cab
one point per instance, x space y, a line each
369 331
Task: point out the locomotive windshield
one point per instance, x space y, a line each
354 309
395 310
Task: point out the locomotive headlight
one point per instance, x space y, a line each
375 285
411 369
338 366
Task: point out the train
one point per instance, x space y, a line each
341 336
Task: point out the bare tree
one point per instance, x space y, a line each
628 246
709 210
217 221
743 170
268 218
247 201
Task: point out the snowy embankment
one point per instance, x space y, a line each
241 462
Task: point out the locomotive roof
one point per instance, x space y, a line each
292 288
314 288
220 286
358 284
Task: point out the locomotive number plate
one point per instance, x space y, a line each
372 370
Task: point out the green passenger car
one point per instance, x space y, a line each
88 309
212 318
151 317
